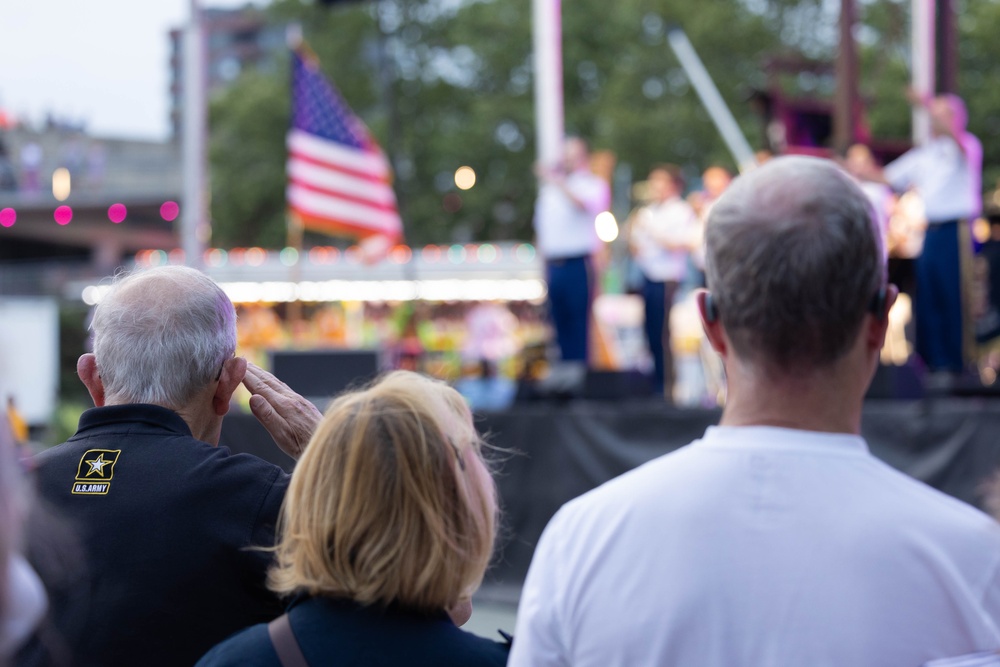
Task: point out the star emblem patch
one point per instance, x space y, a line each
93 475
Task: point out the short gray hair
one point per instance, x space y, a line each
793 261
161 335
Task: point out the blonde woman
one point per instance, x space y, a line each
385 533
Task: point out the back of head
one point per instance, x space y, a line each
671 173
161 335
576 153
958 112
793 261
859 160
716 179
391 501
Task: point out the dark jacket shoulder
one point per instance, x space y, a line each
342 633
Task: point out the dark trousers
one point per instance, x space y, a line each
658 297
938 301
569 304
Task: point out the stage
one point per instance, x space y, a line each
549 452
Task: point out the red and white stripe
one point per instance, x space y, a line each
331 182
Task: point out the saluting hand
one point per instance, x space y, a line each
287 416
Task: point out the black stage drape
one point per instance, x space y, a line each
548 453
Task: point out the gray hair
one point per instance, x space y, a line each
162 335
793 261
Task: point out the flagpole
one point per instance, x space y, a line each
293 223
194 228
294 240
388 94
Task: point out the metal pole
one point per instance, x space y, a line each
847 80
712 99
194 228
923 58
546 29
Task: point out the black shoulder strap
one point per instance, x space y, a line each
285 644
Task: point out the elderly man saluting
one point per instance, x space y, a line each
167 520
776 539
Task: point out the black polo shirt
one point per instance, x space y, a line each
168 526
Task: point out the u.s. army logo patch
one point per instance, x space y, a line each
97 467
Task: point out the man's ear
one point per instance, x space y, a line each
879 323
86 368
710 322
232 375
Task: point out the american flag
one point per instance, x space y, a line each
338 177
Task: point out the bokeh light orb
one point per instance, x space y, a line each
63 215
117 213
215 257
8 217
465 178
487 253
401 254
456 254
256 256
525 252
169 211
431 253
607 226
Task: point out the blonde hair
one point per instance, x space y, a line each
391 501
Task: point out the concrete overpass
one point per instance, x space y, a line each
91 235
37 254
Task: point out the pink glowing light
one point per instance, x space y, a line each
8 217
169 211
117 213
63 215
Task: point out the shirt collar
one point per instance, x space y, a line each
774 438
154 416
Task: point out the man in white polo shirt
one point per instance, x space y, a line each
777 539
570 196
946 172
663 236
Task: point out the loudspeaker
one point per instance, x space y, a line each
324 373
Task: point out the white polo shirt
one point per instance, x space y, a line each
761 547
562 228
664 235
948 180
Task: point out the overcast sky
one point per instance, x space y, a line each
101 61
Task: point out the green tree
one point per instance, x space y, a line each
979 67
446 84
247 158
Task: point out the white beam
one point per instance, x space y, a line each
699 77
923 56
547 40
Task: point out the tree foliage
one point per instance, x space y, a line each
446 83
